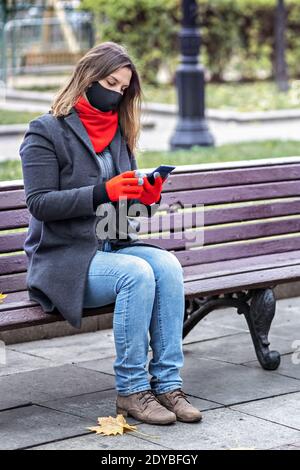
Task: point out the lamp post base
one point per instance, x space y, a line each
191 132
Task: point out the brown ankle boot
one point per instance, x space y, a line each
145 407
177 402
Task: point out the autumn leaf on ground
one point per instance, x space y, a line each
112 426
2 296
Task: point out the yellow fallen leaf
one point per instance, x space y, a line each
2 296
112 426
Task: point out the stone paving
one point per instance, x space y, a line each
52 390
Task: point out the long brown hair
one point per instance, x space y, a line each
100 61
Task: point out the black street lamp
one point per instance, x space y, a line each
281 72
192 128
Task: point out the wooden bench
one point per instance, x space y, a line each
251 243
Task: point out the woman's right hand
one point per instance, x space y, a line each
124 184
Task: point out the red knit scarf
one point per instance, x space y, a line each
101 126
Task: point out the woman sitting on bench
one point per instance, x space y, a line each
75 159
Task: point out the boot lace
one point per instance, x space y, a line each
177 394
146 397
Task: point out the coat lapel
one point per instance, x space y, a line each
74 122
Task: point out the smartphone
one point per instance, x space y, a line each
163 170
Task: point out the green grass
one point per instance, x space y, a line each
224 153
10 170
16 117
257 96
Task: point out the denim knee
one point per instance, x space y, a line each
140 274
170 266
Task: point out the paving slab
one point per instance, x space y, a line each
88 405
97 442
287 447
208 329
281 410
53 383
287 311
289 366
289 330
71 349
19 362
237 349
223 429
33 425
227 383
225 318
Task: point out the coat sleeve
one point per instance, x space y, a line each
40 167
152 208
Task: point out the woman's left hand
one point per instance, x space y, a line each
151 193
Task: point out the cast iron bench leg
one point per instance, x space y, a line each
258 306
259 316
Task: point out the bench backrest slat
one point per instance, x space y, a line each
230 233
13 264
231 194
232 177
12 242
219 268
230 251
215 216
12 199
14 219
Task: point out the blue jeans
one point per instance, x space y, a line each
147 287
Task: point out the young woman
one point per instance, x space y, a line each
76 159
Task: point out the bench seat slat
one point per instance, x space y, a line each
236 282
13 282
31 316
16 300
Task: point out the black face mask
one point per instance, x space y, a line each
102 98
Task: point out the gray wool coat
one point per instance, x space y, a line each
60 170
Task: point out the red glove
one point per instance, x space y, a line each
124 185
151 193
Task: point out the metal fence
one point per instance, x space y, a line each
43 45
